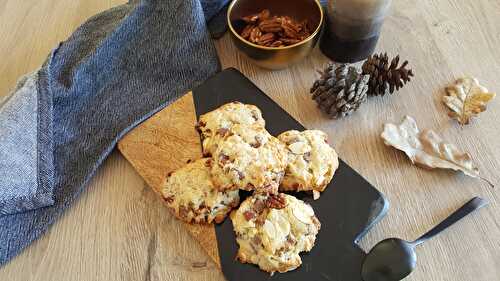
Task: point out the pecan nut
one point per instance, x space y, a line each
249 215
255 34
222 131
265 39
276 201
224 159
264 14
277 43
290 29
246 31
251 18
271 25
290 41
274 31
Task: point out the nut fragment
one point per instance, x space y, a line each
169 199
265 39
257 143
274 31
249 215
291 30
290 41
246 31
307 156
271 25
255 34
264 14
277 43
276 201
251 18
222 131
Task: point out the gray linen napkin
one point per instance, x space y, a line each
62 121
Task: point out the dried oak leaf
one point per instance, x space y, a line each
426 148
466 98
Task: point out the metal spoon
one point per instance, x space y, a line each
393 259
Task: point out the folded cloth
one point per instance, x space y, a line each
20 189
61 122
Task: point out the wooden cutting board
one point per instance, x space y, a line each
347 209
164 143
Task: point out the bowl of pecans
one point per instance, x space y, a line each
275 33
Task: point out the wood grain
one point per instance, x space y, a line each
119 229
162 144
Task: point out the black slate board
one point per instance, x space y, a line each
347 209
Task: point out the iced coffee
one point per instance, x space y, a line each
353 28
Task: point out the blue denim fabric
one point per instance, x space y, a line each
20 189
116 70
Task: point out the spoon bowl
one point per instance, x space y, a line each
393 259
390 260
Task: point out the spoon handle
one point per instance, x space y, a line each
474 204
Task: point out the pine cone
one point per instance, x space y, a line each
340 90
385 78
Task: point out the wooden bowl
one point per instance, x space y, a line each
276 57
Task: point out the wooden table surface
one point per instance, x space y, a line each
119 230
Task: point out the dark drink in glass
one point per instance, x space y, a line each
353 28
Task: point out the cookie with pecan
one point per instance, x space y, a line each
192 197
271 231
216 123
311 161
249 158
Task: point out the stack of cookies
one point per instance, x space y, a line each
271 228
